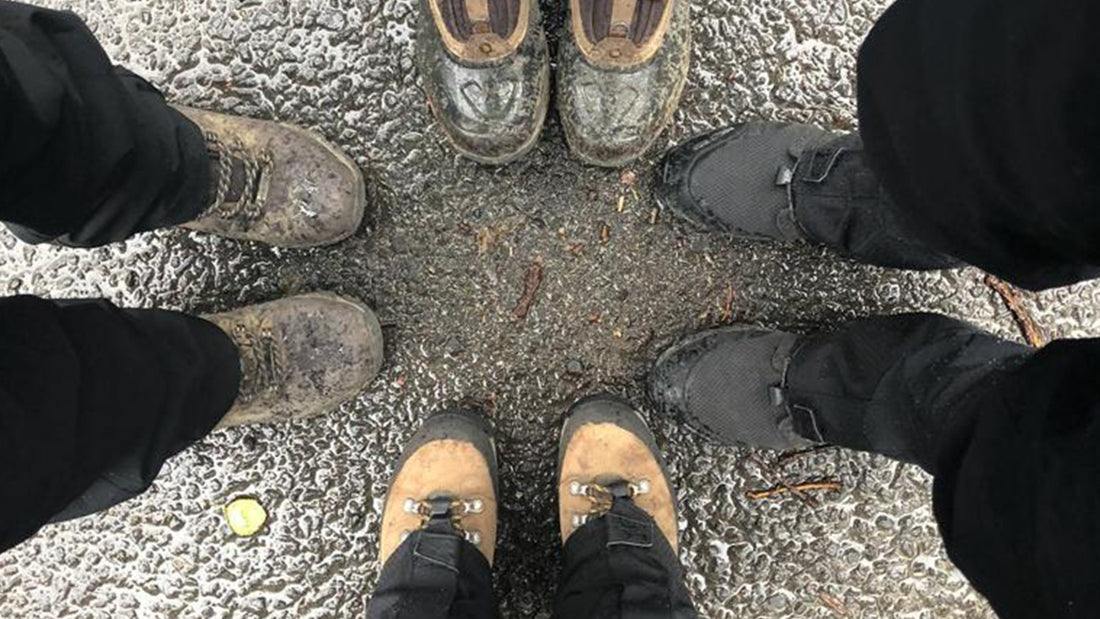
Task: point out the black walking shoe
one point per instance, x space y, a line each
623 65
728 385
791 182
486 68
607 453
446 483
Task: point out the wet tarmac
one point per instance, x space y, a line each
443 258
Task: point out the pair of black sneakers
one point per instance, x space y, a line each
780 182
622 65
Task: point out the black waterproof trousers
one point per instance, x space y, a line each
93 399
1012 436
980 119
618 566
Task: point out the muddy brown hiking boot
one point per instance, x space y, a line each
445 485
276 183
300 356
607 452
487 72
622 68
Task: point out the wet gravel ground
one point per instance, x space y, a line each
443 258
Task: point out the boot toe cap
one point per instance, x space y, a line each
492 114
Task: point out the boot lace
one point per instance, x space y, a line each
263 362
247 208
446 511
602 498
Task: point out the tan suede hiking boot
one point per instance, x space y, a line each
607 451
622 66
300 356
446 482
277 184
486 69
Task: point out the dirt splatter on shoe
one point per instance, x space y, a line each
622 69
486 69
300 356
276 183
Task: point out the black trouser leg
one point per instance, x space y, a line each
1011 435
435 576
94 399
620 566
91 153
979 117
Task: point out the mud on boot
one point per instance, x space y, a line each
727 384
791 182
622 68
276 183
607 453
445 484
486 68
300 356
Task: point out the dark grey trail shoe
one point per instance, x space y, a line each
300 356
728 385
622 69
277 184
445 484
791 182
486 69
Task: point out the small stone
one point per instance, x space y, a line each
245 516
574 367
453 346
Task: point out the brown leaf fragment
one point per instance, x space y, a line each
833 604
531 285
605 233
628 177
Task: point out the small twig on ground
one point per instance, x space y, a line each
726 315
759 495
531 285
791 456
1011 297
773 477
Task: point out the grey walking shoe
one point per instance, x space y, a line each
622 69
277 184
486 69
300 356
727 384
791 182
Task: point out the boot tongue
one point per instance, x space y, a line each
480 20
